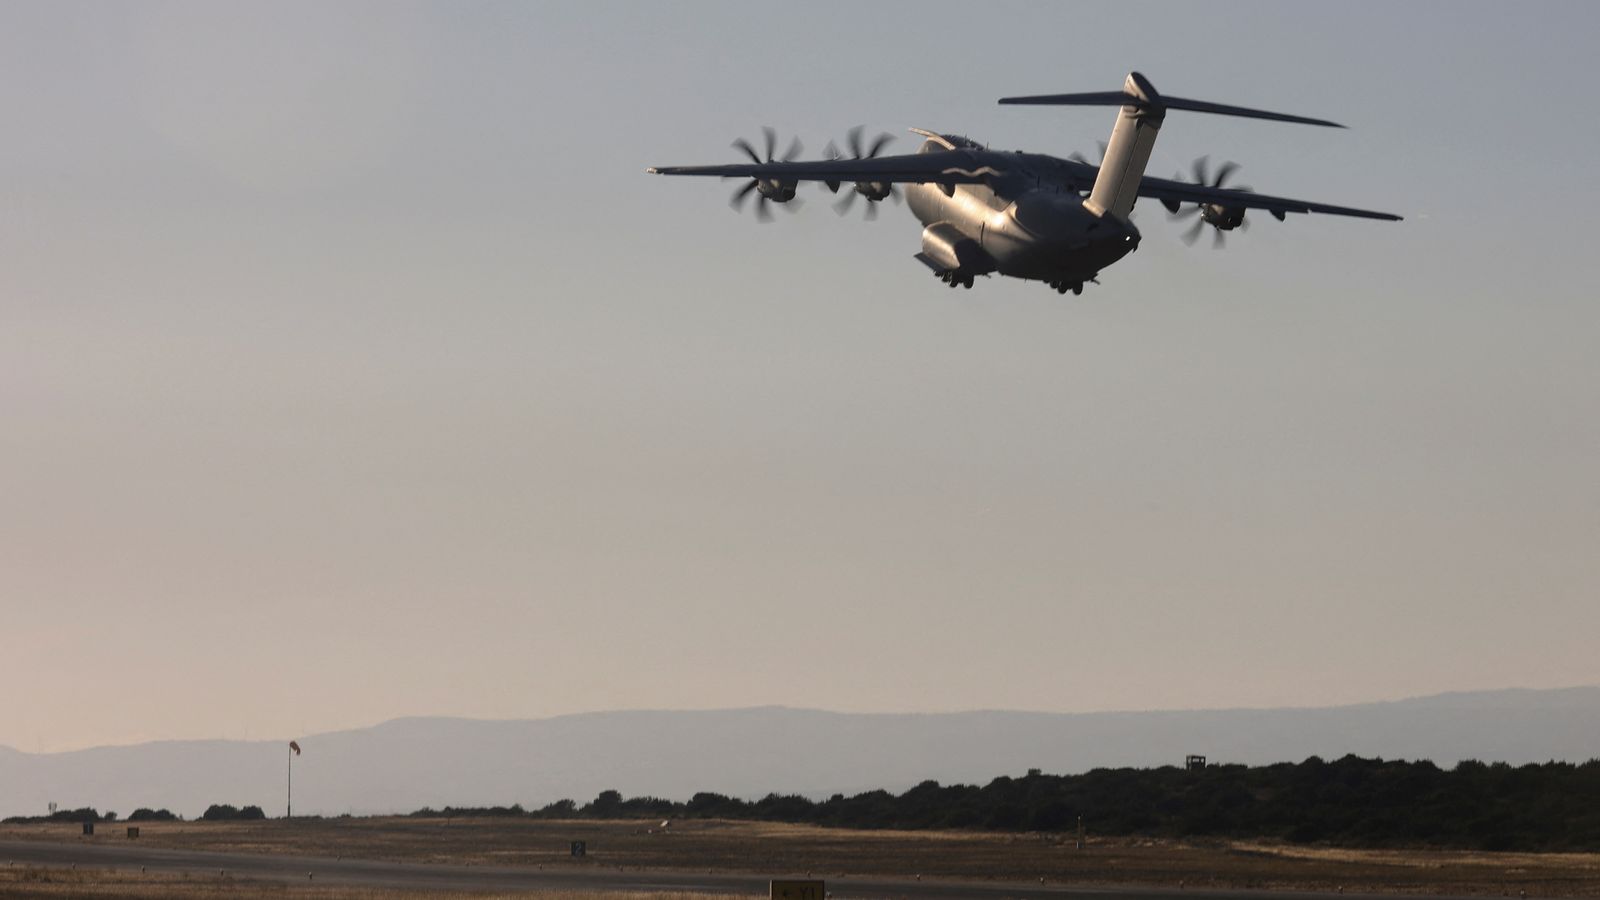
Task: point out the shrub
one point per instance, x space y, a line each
224 812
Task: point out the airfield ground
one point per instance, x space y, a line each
52 884
775 849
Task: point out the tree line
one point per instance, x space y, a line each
1351 801
216 812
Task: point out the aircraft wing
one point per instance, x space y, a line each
942 167
962 167
1172 193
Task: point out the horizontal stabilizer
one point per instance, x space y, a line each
1223 109
1160 103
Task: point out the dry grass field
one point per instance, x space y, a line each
19 883
776 849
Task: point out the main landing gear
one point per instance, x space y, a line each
1075 285
953 278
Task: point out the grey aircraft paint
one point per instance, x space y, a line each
1026 215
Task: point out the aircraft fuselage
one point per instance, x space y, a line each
1031 223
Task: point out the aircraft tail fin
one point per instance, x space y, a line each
1128 151
1143 110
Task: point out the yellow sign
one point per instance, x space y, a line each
798 890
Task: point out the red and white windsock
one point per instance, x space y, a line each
295 747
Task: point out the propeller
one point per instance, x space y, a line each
770 190
1078 157
874 191
1222 218
878 143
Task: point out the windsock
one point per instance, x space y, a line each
295 747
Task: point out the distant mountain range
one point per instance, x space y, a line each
406 764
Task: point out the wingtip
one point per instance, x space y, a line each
1309 120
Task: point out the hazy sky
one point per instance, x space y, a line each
351 367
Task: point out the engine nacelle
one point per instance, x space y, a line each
777 191
874 190
946 248
1223 218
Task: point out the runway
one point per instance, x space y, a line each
432 877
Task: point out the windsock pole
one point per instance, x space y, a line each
288 810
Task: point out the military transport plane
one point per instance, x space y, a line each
1026 215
